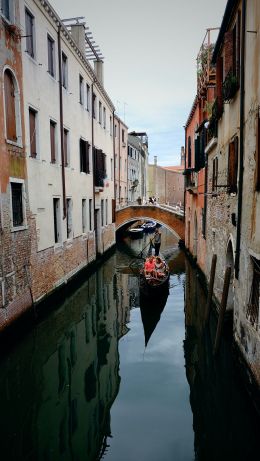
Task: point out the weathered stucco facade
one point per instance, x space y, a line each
69 146
121 162
232 186
166 184
15 236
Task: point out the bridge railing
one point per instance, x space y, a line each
177 209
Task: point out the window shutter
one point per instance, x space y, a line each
228 51
213 174
65 146
52 136
10 106
32 121
233 165
258 151
87 158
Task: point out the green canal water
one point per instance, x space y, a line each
82 386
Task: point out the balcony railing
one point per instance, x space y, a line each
230 86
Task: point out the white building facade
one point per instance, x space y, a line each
69 122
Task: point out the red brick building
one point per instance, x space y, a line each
15 294
196 138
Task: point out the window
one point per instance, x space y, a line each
100 168
81 90
189 152
17 204
100 112
106 220
110 125
104 118
232 166
6 9
84 156
253 305
115 131
84 215
111 168
94 105
29 32
215 174
53 141
10 105
87 97
102 212
123 135
57 220
69 217
64 70
51 64
33 132
66 146
90 214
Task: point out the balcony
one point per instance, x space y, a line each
230 86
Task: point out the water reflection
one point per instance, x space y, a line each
58 385
225 425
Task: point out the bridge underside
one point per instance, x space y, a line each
171 220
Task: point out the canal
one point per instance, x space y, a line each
96 378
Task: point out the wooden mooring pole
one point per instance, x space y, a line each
211 285
222 309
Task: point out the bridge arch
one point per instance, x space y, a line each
167 217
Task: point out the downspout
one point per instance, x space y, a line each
114 166
93 161
205 194
119 163
61 129
241 144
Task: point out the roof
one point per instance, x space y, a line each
176 169
227 18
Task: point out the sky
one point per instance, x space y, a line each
150 49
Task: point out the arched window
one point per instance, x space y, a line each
10 115
12 108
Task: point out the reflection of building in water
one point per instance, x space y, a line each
133 290
65 385
221 411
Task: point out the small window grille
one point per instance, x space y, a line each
253 305
17 203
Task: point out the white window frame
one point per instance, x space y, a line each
84 211
53 56
18 119
12 18
66 75
24 225
30 106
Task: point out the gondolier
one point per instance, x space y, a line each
157 241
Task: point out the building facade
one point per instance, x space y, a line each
230 206
234 174
196 137
137 167
69 147
121 159
15 237
166 184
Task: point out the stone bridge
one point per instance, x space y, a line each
167 216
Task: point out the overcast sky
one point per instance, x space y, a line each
150 49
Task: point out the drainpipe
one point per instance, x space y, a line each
241 144
119 163
61 129
114 166
93 161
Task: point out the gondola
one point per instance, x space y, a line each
151 312
154 286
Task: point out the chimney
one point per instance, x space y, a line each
98 68
155 160
182 157
78 35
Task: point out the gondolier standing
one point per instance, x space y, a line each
157 241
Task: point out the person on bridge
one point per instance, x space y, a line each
157 241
